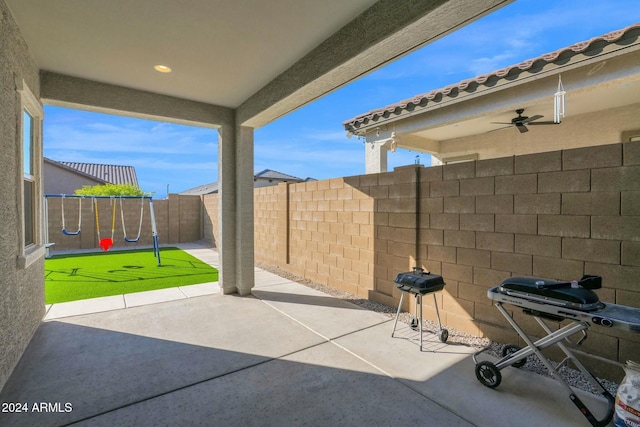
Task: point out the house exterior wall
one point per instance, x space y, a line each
602 127
21 290
58 180
558 214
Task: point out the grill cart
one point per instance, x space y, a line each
574 302
419 283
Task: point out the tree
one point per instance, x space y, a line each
111 190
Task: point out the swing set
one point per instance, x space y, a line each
105 243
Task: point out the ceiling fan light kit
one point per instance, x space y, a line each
558 102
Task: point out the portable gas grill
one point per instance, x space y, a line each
557 301
419 283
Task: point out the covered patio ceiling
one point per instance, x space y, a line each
263 58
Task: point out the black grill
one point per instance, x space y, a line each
418 283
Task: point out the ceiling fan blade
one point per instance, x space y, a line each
522 129
502 128
543 123
502 123
532 118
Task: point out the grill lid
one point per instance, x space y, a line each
420 281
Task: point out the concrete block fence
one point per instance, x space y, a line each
556 215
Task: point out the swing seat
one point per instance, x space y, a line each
70 233
106 243
131 240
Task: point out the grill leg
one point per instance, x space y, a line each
419 297
397 315
435 303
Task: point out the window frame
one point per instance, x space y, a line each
28 103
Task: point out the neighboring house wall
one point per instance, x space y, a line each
558 214
21 291
58 180
177 221
602 127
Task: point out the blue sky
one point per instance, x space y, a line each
311 142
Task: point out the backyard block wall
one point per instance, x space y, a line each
210 218
556 215
178 220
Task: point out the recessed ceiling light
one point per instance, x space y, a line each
162 68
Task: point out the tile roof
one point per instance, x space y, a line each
114 174
532 65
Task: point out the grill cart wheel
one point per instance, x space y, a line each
510 349
488 374
444 334
414 324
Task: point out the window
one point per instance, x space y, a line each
27 159
30 206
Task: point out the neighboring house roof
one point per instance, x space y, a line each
61 165
202 189
113 174
513 72
261 179
271 174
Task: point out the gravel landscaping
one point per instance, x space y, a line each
572 376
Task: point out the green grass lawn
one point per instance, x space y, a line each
81 276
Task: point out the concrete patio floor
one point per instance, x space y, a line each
287 356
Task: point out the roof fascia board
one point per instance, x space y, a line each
581 60
73 92
381 34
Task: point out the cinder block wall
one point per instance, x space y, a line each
557 215
210 218
177 221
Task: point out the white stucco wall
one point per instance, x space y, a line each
603 127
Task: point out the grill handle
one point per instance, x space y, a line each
420 271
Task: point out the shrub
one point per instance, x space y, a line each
111 190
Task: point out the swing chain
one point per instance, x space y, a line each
124 230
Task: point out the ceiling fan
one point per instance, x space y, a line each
521 122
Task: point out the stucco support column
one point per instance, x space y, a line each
235 195
376 154
244 236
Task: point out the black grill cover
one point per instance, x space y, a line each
554 292
419 281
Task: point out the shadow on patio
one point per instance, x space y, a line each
295 357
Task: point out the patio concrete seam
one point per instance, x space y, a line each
183 292
313 330
443 406
361 329
398 380
184 387
327 339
